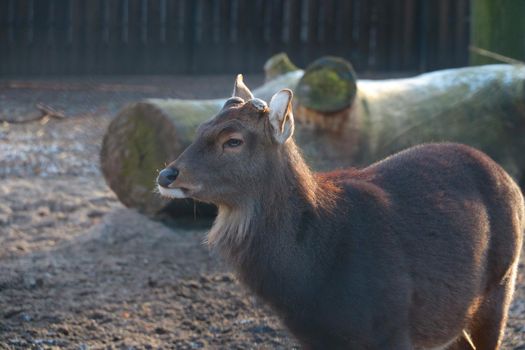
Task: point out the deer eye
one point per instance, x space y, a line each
232 143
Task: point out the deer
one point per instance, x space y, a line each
417 251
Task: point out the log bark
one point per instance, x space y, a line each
480 106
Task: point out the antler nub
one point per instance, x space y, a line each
241 90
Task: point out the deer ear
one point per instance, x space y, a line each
241 90
281 116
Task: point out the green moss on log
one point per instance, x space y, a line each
277 65
138 143
145 154
328 85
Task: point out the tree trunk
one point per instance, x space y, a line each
480 106
499 28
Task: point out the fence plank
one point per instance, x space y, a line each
5 34
409 47
461 38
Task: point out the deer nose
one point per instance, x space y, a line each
167 176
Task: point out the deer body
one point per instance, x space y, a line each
414 252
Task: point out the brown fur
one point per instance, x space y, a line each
410 253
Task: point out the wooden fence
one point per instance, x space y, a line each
226 36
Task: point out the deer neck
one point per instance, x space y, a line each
290 188
260 236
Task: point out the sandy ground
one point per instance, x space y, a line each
80 271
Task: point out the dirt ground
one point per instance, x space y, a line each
80 271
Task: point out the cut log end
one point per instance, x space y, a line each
278 65
136 146
328 85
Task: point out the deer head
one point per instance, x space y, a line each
235 152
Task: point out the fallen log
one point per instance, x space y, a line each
481 106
